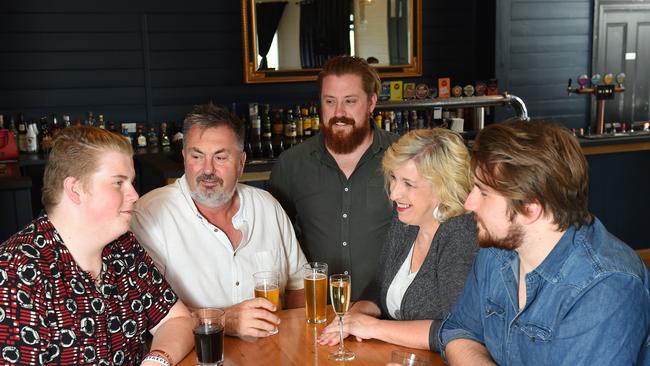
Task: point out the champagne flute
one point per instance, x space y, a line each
340 289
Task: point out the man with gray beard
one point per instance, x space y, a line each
208 234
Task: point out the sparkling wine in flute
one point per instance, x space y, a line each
340 290
340 295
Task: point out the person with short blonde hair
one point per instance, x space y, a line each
430 245
76 287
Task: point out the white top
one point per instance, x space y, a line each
197 258
397 288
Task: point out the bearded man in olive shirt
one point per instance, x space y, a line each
332 185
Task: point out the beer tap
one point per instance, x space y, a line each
603 88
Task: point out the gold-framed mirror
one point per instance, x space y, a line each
288 41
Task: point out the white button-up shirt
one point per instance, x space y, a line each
197 258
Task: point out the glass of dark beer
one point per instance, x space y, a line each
208 336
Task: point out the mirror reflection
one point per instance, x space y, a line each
303 34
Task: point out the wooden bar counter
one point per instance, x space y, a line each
295 344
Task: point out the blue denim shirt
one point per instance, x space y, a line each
587 303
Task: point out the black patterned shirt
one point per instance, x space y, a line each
51 311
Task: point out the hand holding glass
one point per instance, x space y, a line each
340 290
267 285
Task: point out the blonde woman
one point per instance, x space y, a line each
429 248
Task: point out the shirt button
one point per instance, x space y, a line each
345 216
345 243
216 230
345 272
346 189
237 283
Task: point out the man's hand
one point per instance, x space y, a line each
253 318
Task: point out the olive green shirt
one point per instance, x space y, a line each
340 221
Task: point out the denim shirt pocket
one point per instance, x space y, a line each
492 309
536 333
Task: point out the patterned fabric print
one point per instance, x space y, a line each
52 313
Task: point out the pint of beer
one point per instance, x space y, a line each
315 276
267 285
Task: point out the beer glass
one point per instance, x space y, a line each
267 285
208 332
340 290
315 278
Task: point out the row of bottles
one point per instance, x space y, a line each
271 131
36 135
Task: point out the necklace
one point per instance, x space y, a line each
98 280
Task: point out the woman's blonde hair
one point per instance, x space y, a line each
441 158
76 152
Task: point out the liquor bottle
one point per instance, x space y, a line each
388 121
315 120
378 120
66 121
290 133
2 122
278 131
267 133
22 133
12 128
164 137
90 119
306 123
32 138
46 136
127 135
152 139
100 122
111 127
177 138
141 139
413 120
56 126
300 125
255 137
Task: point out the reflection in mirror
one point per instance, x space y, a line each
291 40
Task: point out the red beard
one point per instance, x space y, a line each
343 142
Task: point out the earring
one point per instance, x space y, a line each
438 215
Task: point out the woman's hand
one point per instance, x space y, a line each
357 324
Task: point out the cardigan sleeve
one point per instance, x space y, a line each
456 253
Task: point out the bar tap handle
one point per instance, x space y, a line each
568 88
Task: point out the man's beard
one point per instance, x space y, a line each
211 197
513 239
344 142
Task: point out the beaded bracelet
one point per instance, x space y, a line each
163 354
156 358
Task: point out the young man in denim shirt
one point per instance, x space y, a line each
551 286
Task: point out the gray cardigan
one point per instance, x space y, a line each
440 278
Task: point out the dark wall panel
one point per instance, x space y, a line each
539 46
152 60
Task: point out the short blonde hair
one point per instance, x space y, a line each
76 152
441 158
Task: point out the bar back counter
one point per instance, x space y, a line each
619 181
